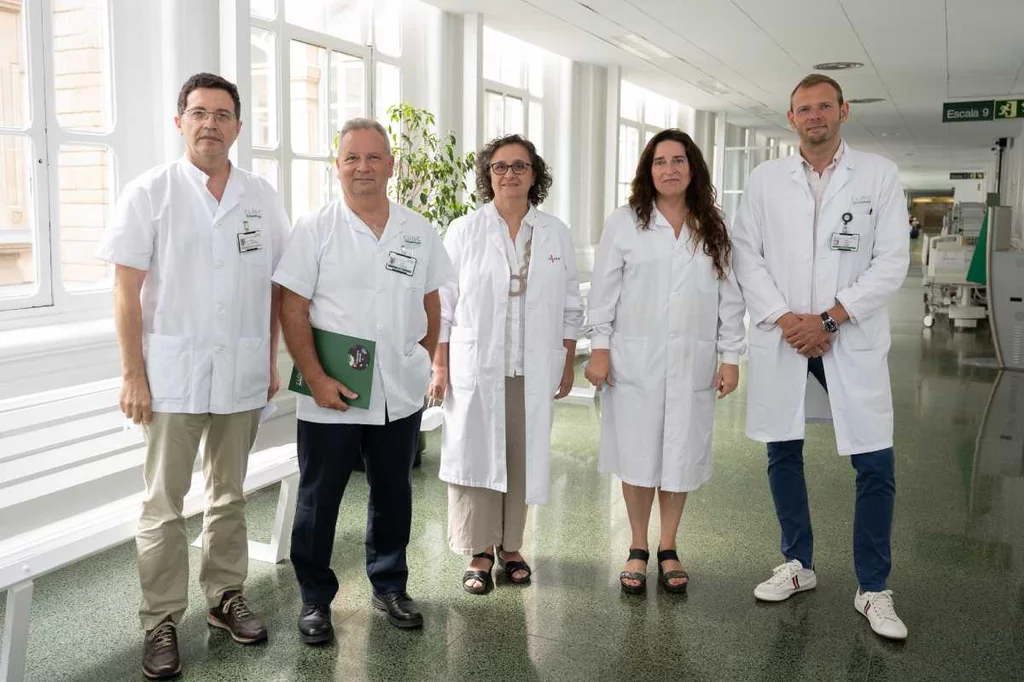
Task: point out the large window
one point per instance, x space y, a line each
642 114
745 149
513 88
316 64
56 159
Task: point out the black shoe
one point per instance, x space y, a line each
401 609
234 615
160 659
315 624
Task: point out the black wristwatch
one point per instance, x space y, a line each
828 325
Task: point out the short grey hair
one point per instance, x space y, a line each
365 124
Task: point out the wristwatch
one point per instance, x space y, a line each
828 325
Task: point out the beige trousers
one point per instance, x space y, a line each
172 441
480 518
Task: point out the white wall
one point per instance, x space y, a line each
970 190
1012 190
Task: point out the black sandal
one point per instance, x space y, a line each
644 556
513 567
484 577
664 577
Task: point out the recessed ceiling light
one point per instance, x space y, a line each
837 66
866 100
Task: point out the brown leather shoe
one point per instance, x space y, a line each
160 660
234 615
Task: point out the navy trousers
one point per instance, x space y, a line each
876 497
327 454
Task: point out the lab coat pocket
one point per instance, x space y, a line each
628 360
463 365
557 366
417 369
168 366
705 364
252 369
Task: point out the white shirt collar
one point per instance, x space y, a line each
835 159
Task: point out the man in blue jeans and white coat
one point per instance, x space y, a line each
820 244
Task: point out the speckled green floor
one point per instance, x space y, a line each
958 578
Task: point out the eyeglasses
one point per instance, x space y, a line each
201 115
500 167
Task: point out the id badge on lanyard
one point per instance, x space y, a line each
844 240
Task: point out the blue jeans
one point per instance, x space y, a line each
872 523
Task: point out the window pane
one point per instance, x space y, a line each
492 56
349 89
656 111
536 130
81 65
389 90
14 99
309 98
265 9
494 115
648 136
630 100
264 89
266 169
536 78
513 116
85 173
387 27
735 169
339 18
513 67
309 186
629 152
17 233
622 196
731 206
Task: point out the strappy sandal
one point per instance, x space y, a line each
484 577
513 567
665 577
644 556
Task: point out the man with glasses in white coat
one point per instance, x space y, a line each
820 245
194 244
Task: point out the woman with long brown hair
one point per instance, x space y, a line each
664 309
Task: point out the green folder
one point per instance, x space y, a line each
348 359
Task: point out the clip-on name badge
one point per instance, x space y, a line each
401 263
844 241
249 239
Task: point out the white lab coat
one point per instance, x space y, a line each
781 268
335 261
657 303
205 303
473 322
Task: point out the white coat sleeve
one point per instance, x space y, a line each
450 289
130 236
605 288
763 298
299 267
572 308
731 332
890 255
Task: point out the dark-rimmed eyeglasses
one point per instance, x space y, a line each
500 167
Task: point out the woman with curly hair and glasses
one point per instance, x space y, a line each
508 337
664 308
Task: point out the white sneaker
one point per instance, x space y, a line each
787 579
878 608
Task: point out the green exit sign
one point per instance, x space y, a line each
982 110
1009 108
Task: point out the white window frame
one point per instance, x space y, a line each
523 94
46 137
284 34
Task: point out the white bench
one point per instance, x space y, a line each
72 443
